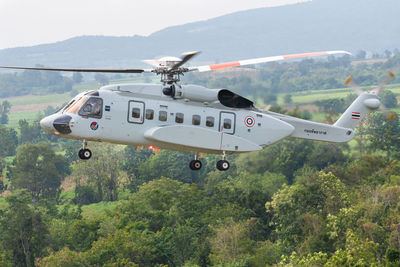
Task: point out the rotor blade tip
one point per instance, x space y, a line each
348 80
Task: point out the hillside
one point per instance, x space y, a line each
318 25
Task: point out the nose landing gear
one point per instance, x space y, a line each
84 153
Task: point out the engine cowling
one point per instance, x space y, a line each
202 94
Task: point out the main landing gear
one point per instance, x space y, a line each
84 153
195 164
223 165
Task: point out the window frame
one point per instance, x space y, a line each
134 104
81 112
193 119
213 121
179 117
146 112
226 122
166 115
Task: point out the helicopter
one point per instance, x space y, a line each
191 118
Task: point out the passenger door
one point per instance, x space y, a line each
136 112
227 122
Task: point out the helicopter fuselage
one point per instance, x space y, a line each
140 114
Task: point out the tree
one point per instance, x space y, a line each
101 78
287 99
388 99
361 54
133 158
38 170
299 211
231 242
383 134
171 164
77 77
101 171
4 110
23 229
8 141
29 132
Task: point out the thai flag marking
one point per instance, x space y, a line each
355 115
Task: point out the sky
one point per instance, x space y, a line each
32 22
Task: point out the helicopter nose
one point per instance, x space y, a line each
59 123
47 124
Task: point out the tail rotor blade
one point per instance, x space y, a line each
389 115
353 85
382 84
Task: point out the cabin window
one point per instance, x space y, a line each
162 115
135 113
179 117
227 124
149 114
210 121
196 119
92 108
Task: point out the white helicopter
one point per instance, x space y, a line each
190 117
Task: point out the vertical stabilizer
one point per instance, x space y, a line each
364 103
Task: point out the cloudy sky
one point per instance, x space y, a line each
31 22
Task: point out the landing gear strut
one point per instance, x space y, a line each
84 153
195 164
223 165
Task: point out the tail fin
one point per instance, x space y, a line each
364 103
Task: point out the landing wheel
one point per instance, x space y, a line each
223 165
85 154
195 165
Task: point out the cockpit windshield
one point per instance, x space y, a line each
93 107
75 105
85 106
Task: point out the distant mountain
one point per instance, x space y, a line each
371 25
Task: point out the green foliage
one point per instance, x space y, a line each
23 231
38 170
4 110
296 203
230 243
299 211
388 99
102 79
77 77
8 141
357 252
85 194
29 132
168 164
290 155
101 172
28 82
383 134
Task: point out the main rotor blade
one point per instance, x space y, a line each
80 70
186 58
263 60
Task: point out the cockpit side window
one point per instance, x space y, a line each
92 108
75 105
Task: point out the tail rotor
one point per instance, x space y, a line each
389 115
